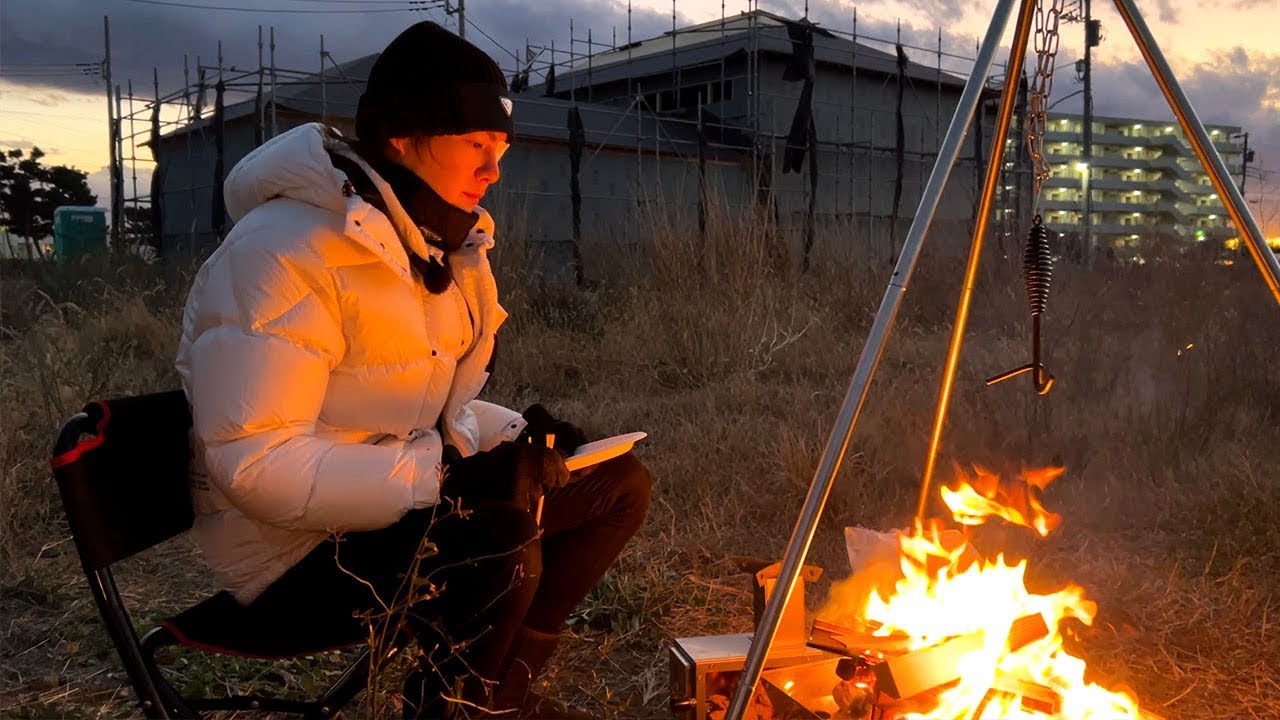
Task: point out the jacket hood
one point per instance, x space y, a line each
295 165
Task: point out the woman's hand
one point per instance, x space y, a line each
513 472
541 423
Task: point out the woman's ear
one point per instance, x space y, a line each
398 146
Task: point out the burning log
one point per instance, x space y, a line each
922 670
929 614
1035 697
855 642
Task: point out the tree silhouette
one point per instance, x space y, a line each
30 191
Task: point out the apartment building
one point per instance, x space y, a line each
1147 184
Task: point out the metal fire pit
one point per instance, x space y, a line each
797 679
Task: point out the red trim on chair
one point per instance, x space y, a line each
219 650
85 446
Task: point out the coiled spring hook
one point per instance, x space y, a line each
1037 271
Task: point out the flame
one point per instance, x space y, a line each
977 499
947 591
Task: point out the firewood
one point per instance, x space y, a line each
922 670
1034 696
915 672
854 641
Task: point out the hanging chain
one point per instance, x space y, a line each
1048 13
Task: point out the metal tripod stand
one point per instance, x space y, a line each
838 442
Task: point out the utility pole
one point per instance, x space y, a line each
1092 37
461 12
1245 158
111 131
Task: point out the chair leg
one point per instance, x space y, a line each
355 679
156 638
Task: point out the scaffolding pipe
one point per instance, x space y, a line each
274 129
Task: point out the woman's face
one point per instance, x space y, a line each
460 168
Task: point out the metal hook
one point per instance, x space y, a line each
1041 380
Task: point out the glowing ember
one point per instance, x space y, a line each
946 591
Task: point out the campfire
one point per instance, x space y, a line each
932 629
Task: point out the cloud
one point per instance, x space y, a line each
144 37
1236 86
1238 4
100 185
99 182
19 145
1168 11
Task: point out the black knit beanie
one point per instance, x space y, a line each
429 81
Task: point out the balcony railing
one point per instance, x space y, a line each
1153 186
1118 230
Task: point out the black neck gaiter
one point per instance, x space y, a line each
443 225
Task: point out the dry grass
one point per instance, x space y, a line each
736 365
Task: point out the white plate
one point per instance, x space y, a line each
597 452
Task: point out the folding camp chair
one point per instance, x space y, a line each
121 468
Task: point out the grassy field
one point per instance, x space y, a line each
1166 414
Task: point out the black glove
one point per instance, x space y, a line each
512 472
568 437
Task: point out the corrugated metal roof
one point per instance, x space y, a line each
536 117
545 118
709 42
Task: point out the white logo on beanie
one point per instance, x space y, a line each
506 105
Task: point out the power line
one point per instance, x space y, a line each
416 5
69 75
495 42
6 111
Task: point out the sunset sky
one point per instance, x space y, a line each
1225 54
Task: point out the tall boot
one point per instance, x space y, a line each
529 655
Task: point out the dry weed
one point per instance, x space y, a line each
1165 413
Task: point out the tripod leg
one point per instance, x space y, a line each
995 163
1200 142
846 419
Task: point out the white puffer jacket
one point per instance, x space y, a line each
314 372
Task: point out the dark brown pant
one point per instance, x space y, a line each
491 571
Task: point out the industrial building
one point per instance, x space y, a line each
715 113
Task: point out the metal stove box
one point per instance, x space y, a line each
708 666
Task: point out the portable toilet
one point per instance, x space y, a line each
78 230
